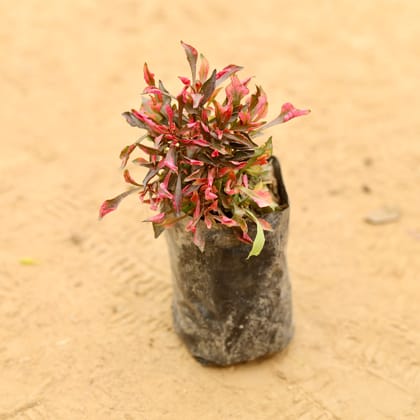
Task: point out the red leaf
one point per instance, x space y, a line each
185 80
246 238
148 76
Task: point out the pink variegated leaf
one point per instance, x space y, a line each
288 112
193 162
149 150
191 226
245 117
221 172
238 165
228 71
170 114
236 90
205 127
150 175
185 80
211 175
265 225
152 90
178 195
245 180
209 195
193 176
157 140
148 75
261 107
200 181
142 162
112 204
204 69
229 190
208 220
200 142
192 55
245 238
227 221
195 198
133 120
163 192
197 97
125 154
208 87
149 122
158 218
129 179
262 197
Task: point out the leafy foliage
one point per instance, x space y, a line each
202 160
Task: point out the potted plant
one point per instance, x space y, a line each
221 199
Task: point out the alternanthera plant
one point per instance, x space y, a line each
198 146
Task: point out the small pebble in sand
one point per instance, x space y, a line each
382 216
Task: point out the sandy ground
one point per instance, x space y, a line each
85 324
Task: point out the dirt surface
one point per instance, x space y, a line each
85 323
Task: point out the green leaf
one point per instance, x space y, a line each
259 240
